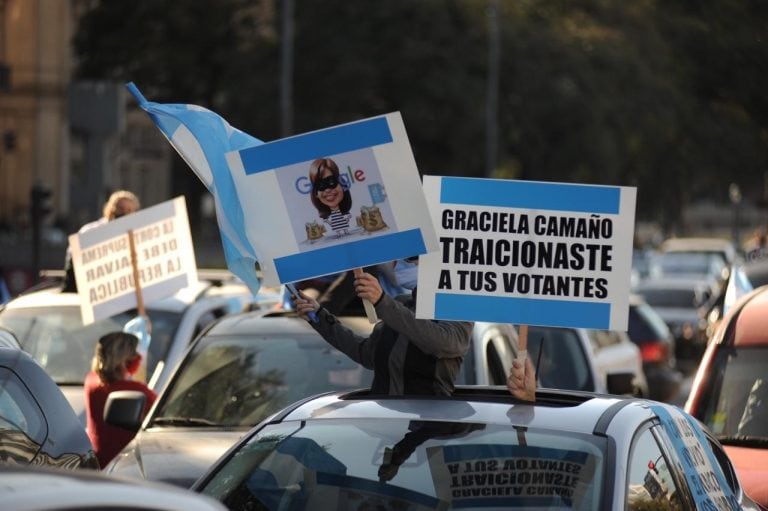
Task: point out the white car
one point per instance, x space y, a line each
603 361
49 327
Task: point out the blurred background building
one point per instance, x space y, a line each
77 140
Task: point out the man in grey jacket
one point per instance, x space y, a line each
407 355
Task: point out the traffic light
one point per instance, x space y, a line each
41 203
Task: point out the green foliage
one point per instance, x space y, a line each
667 96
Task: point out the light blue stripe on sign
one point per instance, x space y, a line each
530 195
529 311
318 144
356 254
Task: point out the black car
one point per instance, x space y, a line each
37 424
657 348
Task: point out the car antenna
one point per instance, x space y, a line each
538 358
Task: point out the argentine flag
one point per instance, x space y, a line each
203 138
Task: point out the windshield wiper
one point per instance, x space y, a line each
184 421
744 441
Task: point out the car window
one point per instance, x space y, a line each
258 376
650 482
563 363
603 338
734 398
646 324
680 298
57 339
22 424
402 464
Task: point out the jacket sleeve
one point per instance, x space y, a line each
442 339
358 348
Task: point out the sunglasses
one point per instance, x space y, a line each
326 183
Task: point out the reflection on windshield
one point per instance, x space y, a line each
240 381
57 339
337 464
738 394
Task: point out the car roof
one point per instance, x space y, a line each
752 319
55 297
700 244
285 322
574 411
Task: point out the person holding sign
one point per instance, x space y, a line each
115 361
407 355
331 198
120 203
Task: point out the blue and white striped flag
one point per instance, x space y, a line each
203 138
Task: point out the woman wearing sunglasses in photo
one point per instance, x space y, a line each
331 198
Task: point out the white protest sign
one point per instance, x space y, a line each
332 200
102 259
527 252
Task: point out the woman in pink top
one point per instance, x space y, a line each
114 363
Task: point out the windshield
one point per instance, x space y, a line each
57 339
258 376
400 464
737 394
702 264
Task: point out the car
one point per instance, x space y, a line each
729 393
272 359
239 371
724 249
570 358
25 489
49 327
477 449
657 349
37 425
686 265
681 304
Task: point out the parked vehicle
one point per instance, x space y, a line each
602 361
47 490
478 449
724 249
657 349
730 390
681 304
37 425
49 327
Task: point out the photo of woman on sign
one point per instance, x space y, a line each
329 195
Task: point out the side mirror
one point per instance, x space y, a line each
621 383
125 409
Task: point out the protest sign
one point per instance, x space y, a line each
526 252
511 476
165 260
332 200
696 460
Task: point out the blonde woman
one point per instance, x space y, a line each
115 361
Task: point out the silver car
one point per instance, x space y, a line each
478 449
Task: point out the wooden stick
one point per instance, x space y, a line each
136 283
370 310
522 343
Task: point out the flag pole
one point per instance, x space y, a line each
135 266
522 343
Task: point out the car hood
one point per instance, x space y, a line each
177 456
752 468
